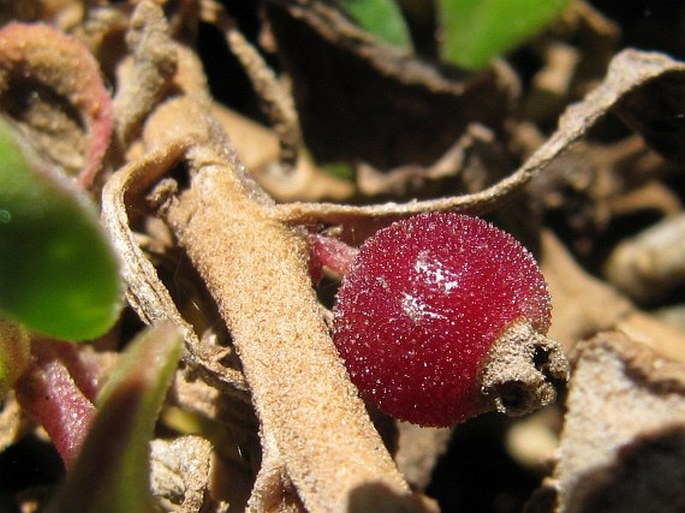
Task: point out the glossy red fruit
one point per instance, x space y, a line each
422 304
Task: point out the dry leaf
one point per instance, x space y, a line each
181 475
623 440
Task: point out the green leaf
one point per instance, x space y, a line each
58 273
342 170
476 31
382 18
112 473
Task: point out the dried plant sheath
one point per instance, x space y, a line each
256 270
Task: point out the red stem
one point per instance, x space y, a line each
47 391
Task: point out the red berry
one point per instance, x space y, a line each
422 304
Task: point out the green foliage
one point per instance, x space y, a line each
58 273
476 31
473 32
341 170
112 473
382 18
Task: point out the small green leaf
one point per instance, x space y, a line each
383 18
342 170
476 31
112 473
58 273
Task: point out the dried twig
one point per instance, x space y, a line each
278 104
651 264
256 269
315 434
154 61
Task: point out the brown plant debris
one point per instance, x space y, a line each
236 238
280 357
179 477
623 440
602 307
649 265
145 292
629 70
416 98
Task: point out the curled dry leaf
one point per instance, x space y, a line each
146 293
215 219
51 84
623 440
278 358
629 71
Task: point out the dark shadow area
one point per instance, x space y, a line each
648 24
477 475
29 464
